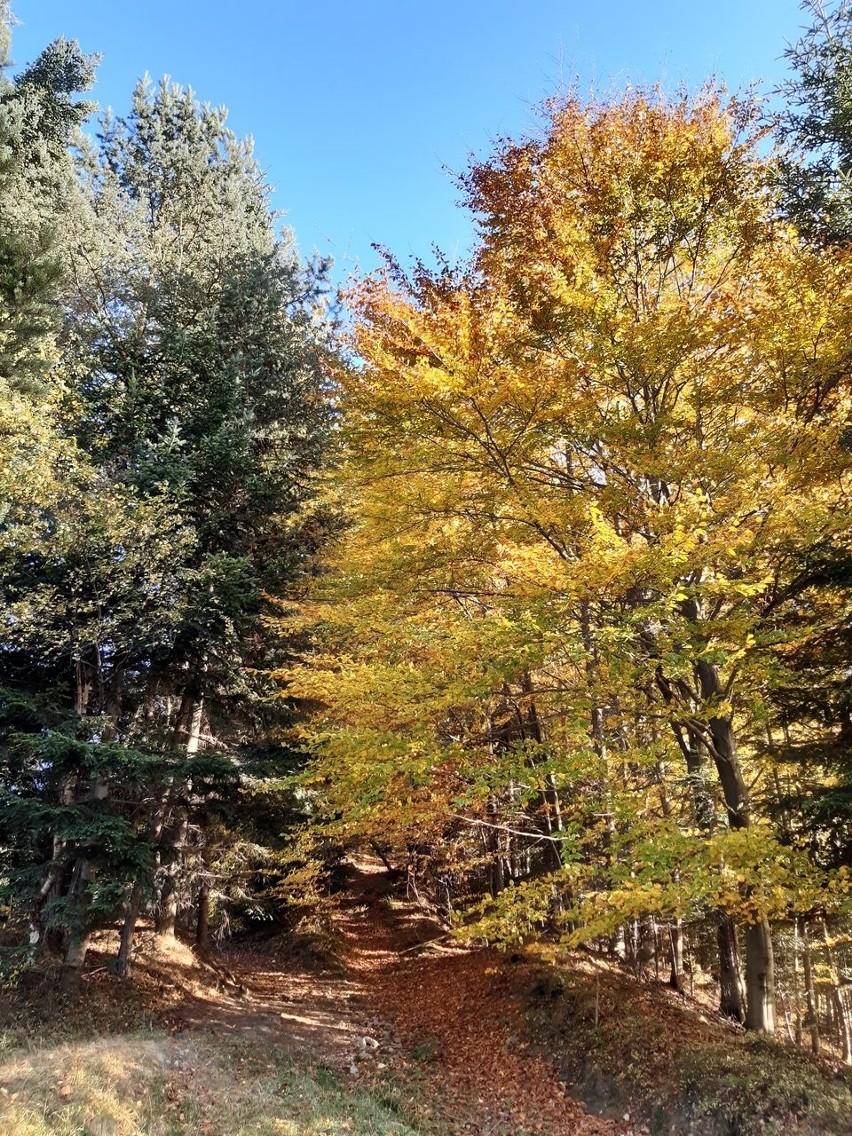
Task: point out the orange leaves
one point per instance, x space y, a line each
617 189
581 466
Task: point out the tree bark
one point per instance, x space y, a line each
167 915
760 960
202 927
77 942
128 928
840 1010
530 724
676 945
810 994
797 1004
730 984
760 978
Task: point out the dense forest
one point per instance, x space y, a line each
531 574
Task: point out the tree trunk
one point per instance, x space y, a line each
797 1003
77 942
730 984
760 978
530 725
497 879
618 944
553 815
760 963
840 1011
810 994
190 717
129 926
676 945
167 915
202 927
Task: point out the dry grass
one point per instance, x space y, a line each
156 1085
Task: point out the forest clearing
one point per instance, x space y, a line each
426 702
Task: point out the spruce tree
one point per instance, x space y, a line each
815 126
192 413
199 336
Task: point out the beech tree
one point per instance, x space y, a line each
584 470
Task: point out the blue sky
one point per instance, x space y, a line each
358 107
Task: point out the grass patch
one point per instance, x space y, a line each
625 1045
155 1085
761 1088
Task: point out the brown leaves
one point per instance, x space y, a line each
466 1038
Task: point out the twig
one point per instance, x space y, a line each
428 943
513 831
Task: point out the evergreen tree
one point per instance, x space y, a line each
816 125
814 697
192 347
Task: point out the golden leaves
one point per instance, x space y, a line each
582 466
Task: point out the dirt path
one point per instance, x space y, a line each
438 1020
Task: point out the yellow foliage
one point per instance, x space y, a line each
580 469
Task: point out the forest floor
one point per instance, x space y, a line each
408 1012
398 1031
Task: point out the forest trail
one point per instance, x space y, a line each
408 1007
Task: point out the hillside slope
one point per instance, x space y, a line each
400 1032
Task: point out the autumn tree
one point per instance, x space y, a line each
585 468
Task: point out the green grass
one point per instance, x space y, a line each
155 1085
760 1088
631 1046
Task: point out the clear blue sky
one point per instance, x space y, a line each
357 106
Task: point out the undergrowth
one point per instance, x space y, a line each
626 1045
151 1084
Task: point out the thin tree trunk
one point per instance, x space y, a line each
810 993
202 928
495 851
549 795
782 1002
840 1011
194 739
676 945
797 1004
